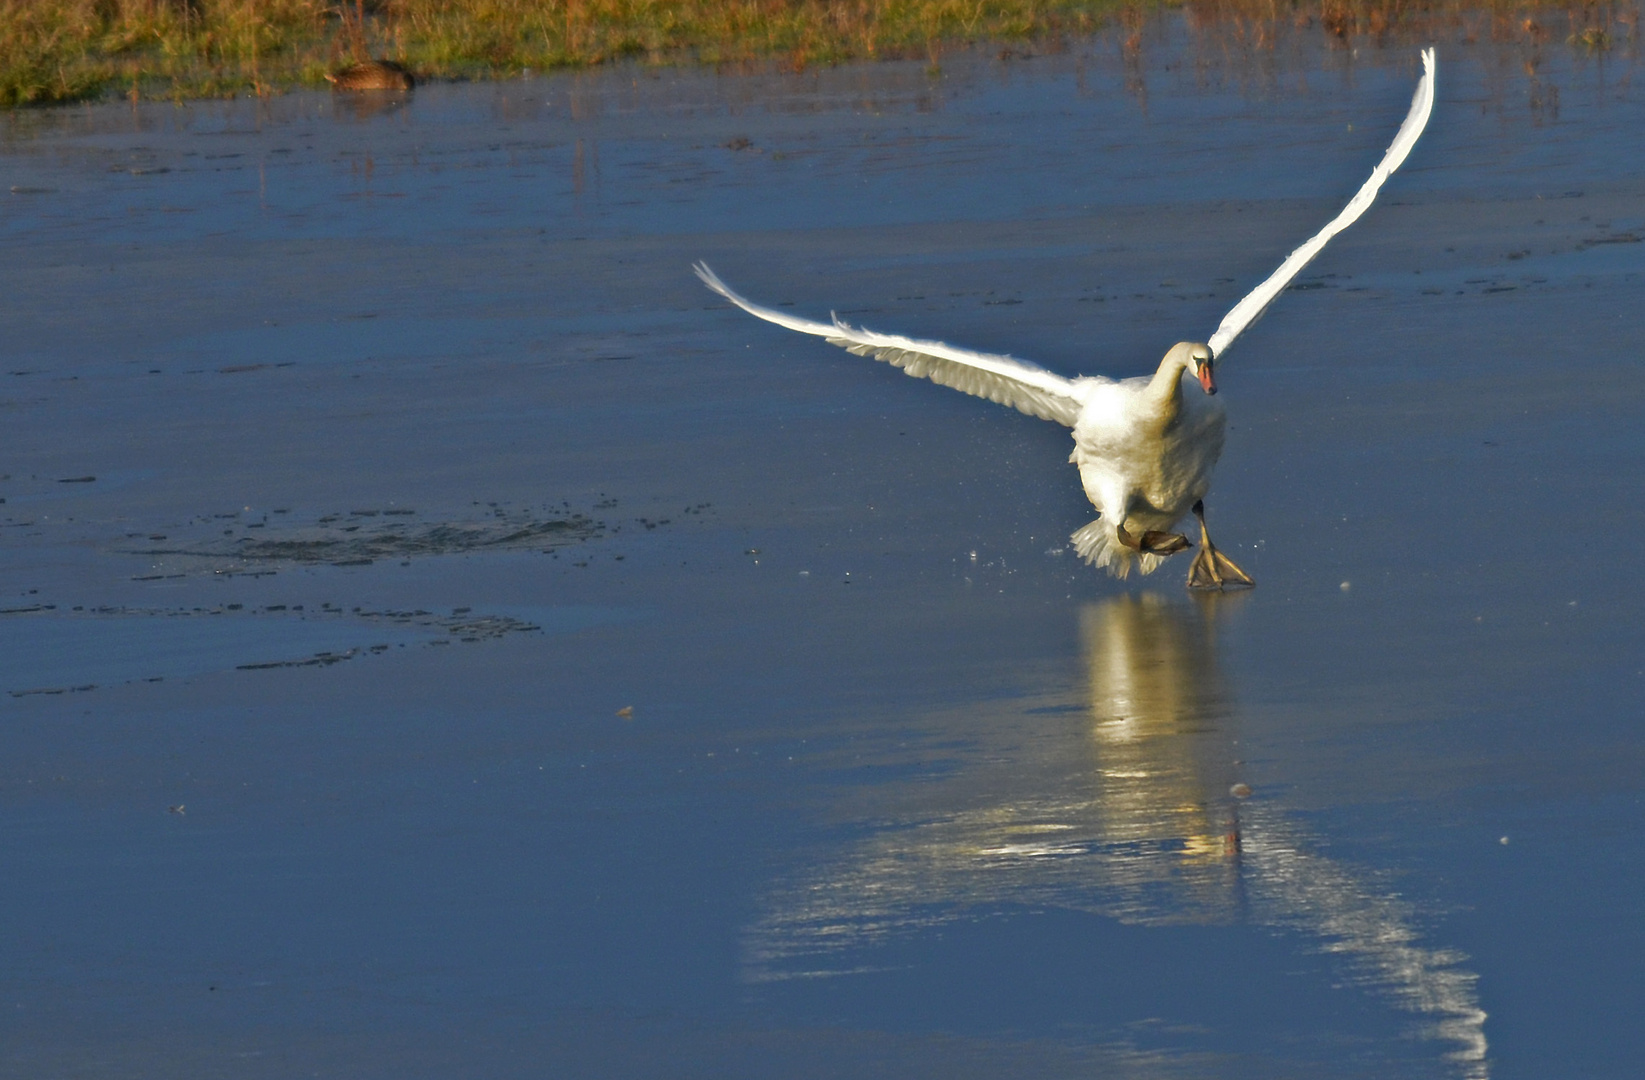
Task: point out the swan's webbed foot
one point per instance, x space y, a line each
1212 569
1163 543
1153 541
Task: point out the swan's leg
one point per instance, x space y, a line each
1212 569
1153 541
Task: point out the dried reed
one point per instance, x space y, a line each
66 50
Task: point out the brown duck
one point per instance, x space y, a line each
372 75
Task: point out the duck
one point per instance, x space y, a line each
372 75
1145 447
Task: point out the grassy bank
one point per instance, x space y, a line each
66 50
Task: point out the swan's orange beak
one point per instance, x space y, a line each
1206 382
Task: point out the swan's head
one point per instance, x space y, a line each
1196 356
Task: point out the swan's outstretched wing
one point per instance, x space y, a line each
1248 310
1021 385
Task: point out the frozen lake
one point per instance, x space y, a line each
439 638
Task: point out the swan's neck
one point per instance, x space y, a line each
1165 388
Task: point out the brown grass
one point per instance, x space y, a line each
65 50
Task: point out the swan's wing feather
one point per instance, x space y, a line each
1004 379
1248 310
1009 381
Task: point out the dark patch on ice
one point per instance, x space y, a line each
1614 238
99 646
360 544
51 690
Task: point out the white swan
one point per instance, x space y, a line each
1145 449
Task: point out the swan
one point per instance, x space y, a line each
1144 448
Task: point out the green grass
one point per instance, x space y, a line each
68 50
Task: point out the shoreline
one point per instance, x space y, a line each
61 51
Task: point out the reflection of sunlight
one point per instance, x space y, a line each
1373 929
1123 809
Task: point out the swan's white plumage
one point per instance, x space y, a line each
1004 379
1145 448
1250 309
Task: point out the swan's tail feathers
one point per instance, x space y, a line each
1097 544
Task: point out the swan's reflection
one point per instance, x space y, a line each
1164 765
1128 808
